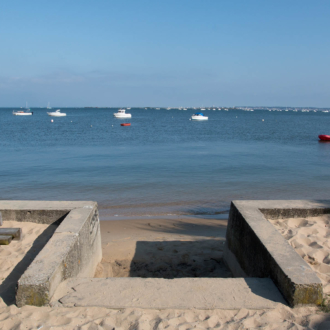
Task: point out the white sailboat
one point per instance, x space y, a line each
27 112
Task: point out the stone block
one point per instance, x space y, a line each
5 239
15 233
261 251
74 250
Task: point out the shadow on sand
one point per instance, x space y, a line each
173 259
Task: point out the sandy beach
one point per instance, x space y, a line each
155 158
165 246
310 237
119 239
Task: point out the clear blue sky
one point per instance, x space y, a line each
165 53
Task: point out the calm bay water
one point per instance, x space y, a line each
163 163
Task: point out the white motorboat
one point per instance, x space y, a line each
27 112
56 113
122 114
199 116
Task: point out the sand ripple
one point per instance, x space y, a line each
107 319
310 237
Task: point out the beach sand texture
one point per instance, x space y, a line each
30 317
47 318
310 237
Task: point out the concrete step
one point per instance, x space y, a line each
158 293
5 239
15 233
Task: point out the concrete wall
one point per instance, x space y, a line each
73 251
254 247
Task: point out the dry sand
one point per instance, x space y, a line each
46 318
310 237
17 256
91 318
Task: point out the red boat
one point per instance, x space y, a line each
323 137
125 124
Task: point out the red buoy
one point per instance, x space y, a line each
323 137
125 124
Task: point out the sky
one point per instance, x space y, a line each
164 53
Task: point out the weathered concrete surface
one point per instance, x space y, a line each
156 293
45 212
43 205
15 233
5 239
84 223
73 251
232 263
261 251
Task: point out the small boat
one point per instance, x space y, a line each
56 113
125 124
323 137
27 112
121 114
199 116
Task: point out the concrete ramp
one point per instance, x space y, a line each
156 293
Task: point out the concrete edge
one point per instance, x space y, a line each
268 253
45 212
74 250
44 205
160 293
232 263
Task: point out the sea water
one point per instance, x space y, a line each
164 163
